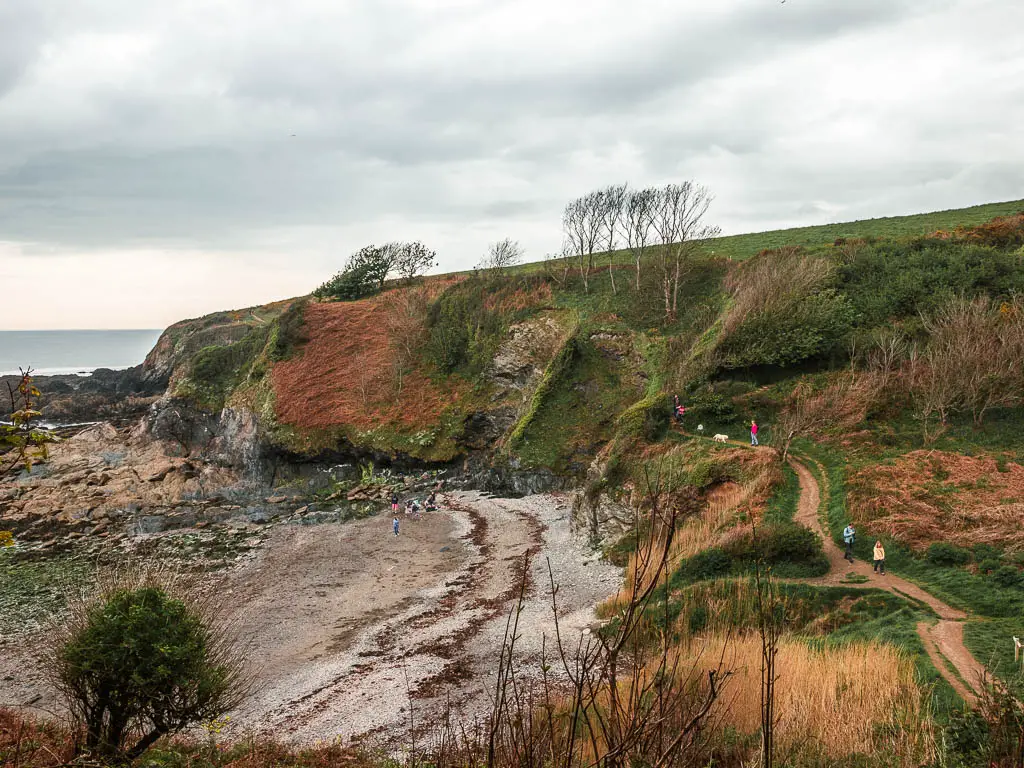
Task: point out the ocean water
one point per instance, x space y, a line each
52 352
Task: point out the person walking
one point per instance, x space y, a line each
394 502
879 557
394 525
753 433
849 534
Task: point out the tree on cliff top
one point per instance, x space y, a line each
369 267
501 255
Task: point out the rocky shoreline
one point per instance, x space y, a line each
103 395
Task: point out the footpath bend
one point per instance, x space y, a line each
943 640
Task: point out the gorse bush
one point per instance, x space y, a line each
944 553
784 546
1007 576
789 549
888 280
709 564
137 663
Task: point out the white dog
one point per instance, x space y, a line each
720 438
700 427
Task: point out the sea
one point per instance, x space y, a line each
79 352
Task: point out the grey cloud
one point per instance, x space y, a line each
395 127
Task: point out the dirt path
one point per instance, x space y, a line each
943 640
349 625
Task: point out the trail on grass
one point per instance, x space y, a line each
944 640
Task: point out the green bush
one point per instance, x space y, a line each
216 370
815 326
709 564
352 283
464 331
986 552
779 544
709 471
789 542
988 566
1007 576
965 739
138 664
944 553
892 279
711 402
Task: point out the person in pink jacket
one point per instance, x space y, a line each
753 433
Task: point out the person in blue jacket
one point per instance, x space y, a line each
848 537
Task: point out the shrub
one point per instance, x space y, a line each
356 281
709 564
466 322
137 663
709 471
789 543
944 553
788 548
889 279
784 309
986 552
989 565
965 738
713 401
1007 576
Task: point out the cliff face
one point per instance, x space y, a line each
265 389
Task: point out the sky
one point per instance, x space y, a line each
164 160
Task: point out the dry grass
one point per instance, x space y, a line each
929 496
349 364
723 506
858 698
26 742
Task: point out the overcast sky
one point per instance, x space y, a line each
165 160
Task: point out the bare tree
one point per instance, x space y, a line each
581 222
626 697
639 224
843 403
613 200
679 222
502 255
557 266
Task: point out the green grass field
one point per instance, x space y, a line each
739 247
745 246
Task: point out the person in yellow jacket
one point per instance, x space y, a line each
879 558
